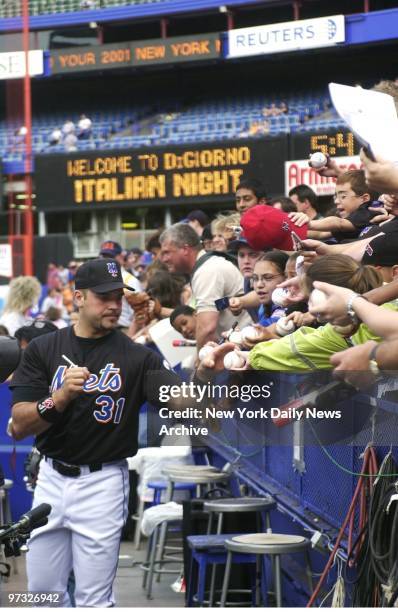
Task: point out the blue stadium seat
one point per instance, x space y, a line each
120 127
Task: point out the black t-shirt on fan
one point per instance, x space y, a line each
101 424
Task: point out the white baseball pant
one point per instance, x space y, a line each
83 533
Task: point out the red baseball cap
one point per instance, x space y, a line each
267 227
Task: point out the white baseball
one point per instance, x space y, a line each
205 351
250 333
279 296
235 337
317 298
318 160
233 360
284 327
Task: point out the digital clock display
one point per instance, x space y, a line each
339 143
136 53
194 174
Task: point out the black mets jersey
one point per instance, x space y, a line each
101 424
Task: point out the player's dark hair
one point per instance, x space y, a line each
343 271
181 310
303 192
286 203
166 288
357 181
153 242
53 313
278 258
255 186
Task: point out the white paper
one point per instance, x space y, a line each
371 116
163 334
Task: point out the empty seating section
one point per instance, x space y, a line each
12 8
225 119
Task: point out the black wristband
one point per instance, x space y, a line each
47 411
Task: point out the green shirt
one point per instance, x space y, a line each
308 348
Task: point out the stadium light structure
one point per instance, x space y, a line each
27 102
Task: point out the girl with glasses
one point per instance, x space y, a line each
269 271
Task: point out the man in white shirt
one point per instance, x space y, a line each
55 137
68 127
84 126
213 276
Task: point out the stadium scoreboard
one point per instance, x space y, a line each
137 53
190 174
336 143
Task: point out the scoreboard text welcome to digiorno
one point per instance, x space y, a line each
160 176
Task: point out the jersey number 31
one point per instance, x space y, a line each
109 411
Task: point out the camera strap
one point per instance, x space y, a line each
207 256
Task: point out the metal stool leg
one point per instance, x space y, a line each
225 585
152 563
278 581
209 523
189 584
308 571
268 522
263 583
146 563
163 529
258 580
201 582
137 533
214 566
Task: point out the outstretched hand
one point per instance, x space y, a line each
295 290
380 174
334 309
215 361
352 365
330 169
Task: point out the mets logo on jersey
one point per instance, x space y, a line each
112 269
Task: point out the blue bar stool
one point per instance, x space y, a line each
204 477
159 486
271 544
219 507
210 549
194 476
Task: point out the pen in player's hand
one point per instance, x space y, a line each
71 364
232 329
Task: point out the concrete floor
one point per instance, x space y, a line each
128 589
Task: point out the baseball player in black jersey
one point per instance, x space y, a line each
79 391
